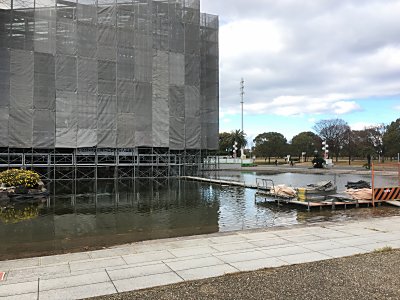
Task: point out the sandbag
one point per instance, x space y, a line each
360 194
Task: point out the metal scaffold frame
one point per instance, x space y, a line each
94 163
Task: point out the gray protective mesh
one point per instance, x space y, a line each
105 73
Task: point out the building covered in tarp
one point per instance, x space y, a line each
108 74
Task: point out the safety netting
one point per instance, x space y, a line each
108 74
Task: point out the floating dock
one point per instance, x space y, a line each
220 182
264 192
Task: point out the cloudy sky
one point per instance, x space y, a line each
307 60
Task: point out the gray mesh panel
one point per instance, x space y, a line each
126 130
66 73
86 40
43 128
20 127
107 121
66 120
44 77
176 69
5 20
66 37
4 78
143 114
177 117
107 41
87 125
21 79
160 99
4 115
192 117
45 31
108 73
106 77
87 75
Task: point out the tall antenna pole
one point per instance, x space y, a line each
241 97
242 102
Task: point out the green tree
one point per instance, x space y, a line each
359 144
306 142
270 144
225 145
391 139
366 141
228 139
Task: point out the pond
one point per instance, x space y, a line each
82 215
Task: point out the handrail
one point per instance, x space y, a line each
264 185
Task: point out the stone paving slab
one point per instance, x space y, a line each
150 256
303 257
242 256
270 242
142 282
79 292
138 271
160 262
32 272
72 281
323 245
289 250
112 252
303 238
345 251
19 263
179 265
233 246
251 265
96 264
185 252
56 259
29 296
19 288
206 272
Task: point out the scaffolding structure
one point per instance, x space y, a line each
93 163
103 88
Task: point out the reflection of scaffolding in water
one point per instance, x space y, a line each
151 190
94 163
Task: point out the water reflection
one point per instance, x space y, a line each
298 180
83 215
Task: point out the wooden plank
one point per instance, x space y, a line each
394 203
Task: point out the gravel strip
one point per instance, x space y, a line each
369 276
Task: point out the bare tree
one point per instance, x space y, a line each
335 132
375 138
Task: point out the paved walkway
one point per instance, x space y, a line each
160 262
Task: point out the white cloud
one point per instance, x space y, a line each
307 57
301 105
235 37
312 120
343 107
362 125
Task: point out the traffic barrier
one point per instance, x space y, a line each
387 194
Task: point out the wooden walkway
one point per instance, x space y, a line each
220 182
332 201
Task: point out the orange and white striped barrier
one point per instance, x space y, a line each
387 193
